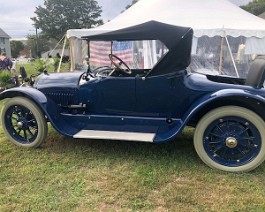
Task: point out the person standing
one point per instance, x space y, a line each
15 73
5 62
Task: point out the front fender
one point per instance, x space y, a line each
244 98
47 106
38 97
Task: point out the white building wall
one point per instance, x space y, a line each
5 46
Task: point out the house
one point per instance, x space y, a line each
5 43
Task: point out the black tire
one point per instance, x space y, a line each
231 138
23 122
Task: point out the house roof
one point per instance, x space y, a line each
3 34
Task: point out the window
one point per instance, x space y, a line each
136 54
2 40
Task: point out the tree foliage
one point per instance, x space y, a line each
255 7
16 47
133 2
57 16
5 79
43 45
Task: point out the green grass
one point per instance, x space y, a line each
32 67
90 175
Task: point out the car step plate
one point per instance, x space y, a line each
115 135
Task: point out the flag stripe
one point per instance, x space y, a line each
100 50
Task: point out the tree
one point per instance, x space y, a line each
16 48
133 2
255 7
43 45
57 16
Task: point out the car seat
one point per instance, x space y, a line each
256 73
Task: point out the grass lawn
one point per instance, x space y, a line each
90 175
32 67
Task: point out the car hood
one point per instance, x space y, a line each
58 80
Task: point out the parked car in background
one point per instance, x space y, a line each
118 102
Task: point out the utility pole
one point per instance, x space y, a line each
37 42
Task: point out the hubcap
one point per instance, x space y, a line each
231 142
20 125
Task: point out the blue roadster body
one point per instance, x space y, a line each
148 105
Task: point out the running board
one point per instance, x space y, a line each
115 135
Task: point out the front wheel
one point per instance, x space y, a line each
23 122
231 138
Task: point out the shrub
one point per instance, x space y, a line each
56 63
6 79
40 65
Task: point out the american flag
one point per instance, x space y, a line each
100 50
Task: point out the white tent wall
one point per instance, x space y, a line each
221 55
255 45
209 18
78 53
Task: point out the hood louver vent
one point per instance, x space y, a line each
63 98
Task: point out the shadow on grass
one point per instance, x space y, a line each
177 153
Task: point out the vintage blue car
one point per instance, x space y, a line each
149 105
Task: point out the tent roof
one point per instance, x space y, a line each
206 17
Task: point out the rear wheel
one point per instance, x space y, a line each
23 122
231 138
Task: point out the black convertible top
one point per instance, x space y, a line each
152 30
177 39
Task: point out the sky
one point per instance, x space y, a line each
15 14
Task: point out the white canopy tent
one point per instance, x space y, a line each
209 18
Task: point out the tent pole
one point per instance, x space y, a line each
111 51
56 45
71 54
154 52
231 55
221 56
60 63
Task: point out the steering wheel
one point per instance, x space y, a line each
102 70
127 70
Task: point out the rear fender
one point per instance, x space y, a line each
225 97
214 100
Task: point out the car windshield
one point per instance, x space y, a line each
136 54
